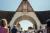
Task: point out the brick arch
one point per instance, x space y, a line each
25 17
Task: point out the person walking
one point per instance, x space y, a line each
14 30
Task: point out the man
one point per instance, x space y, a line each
14 30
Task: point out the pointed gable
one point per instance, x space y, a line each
24 7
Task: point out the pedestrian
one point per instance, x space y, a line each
14 30
3 26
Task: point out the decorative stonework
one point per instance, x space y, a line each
28 16
25 17
24 7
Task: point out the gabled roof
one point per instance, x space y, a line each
24 6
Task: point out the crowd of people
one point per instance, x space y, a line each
4 28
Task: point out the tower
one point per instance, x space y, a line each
25 12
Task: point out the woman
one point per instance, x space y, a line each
3 26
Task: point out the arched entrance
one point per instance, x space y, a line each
25 17
25 24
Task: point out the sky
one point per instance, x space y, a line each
25 24
12 5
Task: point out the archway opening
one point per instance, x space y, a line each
25 24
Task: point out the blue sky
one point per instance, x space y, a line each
12 5
25 24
